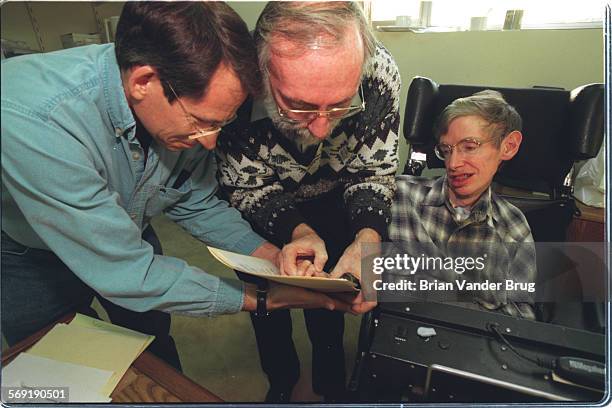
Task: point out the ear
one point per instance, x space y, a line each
138 81
510 145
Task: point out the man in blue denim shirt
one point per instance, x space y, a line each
95 142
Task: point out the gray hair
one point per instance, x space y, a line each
303 22
501 117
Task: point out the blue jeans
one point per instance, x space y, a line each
37 288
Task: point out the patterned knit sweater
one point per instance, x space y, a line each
264 174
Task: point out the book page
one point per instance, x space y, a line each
245 263
266 269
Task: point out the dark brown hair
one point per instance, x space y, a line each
185 42
501 117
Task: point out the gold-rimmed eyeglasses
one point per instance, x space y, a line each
199 131
307 116
469 146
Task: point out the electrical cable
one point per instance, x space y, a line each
538 361
579 371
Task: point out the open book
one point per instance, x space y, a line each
266 269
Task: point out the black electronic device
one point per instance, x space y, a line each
580 371
474 356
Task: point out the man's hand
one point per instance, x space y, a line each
305 255
357 302
350 261
269 252
292 297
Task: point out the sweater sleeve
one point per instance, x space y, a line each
369 192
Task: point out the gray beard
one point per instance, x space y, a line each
295 132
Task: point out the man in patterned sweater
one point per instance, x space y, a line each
458 215
311 166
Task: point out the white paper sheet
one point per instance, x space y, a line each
85 384
266 269
245 263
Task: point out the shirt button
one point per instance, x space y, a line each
135 155
133 216
118 131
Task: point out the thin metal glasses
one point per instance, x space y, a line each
199 131
467 146
307 116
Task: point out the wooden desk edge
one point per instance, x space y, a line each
10 353
589 213
169 378
147 363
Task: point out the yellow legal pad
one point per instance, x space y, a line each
93 343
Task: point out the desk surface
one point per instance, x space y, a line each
148 379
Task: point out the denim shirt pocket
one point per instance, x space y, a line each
162 197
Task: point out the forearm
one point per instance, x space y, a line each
301 230
283 297
249 300
268 209
368 235
369 193
209 218
369 207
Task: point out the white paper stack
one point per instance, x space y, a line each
88 356
84 383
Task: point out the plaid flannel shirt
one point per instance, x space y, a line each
422 215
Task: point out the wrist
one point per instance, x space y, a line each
368 235
262 299
257 299
301 230
249 303
276 299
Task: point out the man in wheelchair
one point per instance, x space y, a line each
459 217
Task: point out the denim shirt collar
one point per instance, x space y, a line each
114 96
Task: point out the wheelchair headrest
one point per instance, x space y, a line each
559 127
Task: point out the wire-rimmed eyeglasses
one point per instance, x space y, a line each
467 146
199 131
307 116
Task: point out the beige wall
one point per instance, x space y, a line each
561 58
57 18
248 10
54 19
564 58
15 24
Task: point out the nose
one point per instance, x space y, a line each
319 127
454 161
209 142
